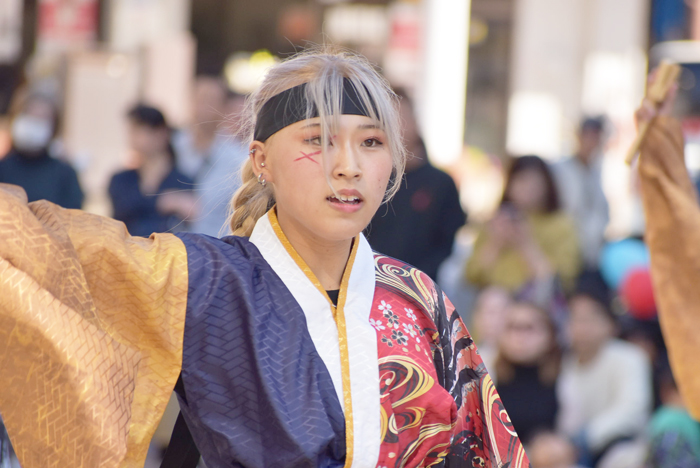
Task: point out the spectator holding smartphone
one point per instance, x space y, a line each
529 240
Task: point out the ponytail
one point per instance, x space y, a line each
250 202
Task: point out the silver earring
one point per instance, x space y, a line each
252 151
262 164
261 180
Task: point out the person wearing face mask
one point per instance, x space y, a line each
29 163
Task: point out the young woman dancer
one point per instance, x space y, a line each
297 346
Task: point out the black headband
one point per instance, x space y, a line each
290 106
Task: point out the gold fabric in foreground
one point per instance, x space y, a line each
673 236
91 331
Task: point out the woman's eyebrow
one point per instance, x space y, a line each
369 127
311 125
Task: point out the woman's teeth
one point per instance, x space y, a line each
343 199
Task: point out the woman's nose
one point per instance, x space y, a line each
346 162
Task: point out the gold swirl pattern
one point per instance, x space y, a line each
389 274
479 432
426 432
383 421
491 402
414 419
415 379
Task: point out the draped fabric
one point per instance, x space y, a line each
439 404
673 235
91 327
96 325
256 392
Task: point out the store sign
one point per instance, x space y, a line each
10 30
66 24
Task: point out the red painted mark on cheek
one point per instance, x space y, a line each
308 156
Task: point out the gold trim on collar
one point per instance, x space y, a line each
339 317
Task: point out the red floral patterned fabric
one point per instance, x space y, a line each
439 406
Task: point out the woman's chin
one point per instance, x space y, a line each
341 230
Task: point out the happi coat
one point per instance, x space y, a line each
673 236
96 326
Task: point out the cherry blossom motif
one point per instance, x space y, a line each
410 329
392 319
387 341
377 324
399 337
410 314
384 306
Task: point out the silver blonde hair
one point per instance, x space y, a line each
323 70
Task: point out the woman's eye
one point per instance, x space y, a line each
372 142
313 140
317 141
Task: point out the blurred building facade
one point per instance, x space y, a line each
534 67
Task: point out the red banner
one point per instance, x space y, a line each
67 23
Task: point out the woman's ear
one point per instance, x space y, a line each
259 161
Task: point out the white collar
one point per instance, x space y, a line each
363 422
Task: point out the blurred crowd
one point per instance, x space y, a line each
175 179
566 322
564 319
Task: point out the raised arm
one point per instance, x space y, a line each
673 236
91 325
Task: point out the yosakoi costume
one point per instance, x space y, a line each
673 236
97 326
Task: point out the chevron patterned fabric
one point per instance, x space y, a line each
96 326
91 326
257 392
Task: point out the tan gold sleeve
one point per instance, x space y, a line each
91 331
673 236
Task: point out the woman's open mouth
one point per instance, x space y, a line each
341 199
346 202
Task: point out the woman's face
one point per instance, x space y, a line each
527 337
359 166
589 325
528 190
146 140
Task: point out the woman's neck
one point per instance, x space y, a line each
326 259
154 168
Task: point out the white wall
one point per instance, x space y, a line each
573 58
442 93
